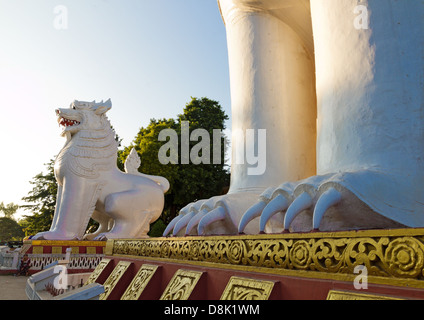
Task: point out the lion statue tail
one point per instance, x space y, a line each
132 163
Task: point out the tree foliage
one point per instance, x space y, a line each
188 182
10 230
42 201
8 209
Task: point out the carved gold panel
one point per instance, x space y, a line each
349 295
139 282
239 288
91 250
75 250
37 250
56 250
96 272
181 285
114 278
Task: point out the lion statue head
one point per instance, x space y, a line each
82 115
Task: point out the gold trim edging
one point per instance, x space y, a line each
349 295
66 243
394 257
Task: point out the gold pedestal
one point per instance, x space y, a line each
388 263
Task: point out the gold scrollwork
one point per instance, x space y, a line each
247 289
114 278
391 254
97 271
139 282
181 285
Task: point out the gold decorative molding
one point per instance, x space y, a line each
139 282
97 271
247 289
394 257
114 278
349 295
181 285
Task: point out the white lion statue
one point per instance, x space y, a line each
91 185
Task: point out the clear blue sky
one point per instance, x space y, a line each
148 56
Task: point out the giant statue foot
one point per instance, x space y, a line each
339 201
217 215
364 199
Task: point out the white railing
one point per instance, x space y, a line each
76 261
43 285
9 260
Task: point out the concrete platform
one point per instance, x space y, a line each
12 288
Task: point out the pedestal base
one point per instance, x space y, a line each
369 264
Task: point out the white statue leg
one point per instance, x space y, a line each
105 224
71 217
370 120
370 107
268 60
58 201
126 208
40 235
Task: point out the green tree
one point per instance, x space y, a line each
9 209
42 199
10 230
202 181
188 182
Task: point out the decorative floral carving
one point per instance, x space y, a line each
247 289
194 251
139 282
236 251
327 255
299 254
114 278
99 269
405 257
181 285
395 254
164 249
